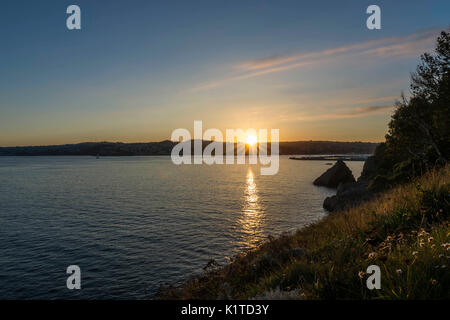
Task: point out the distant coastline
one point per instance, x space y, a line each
333 158
165 147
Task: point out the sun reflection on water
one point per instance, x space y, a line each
251 220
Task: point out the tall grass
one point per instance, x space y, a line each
405 231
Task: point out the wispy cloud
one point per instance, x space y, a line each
409 45
384 98
264 62
357 112
362 111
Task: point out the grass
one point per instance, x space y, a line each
405 231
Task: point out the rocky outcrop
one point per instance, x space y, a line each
337 174
347 195
331 203
369 169
352 193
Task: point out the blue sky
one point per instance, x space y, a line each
139 69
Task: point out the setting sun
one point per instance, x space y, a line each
251 140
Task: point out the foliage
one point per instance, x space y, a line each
419 136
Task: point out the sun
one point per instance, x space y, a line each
251 140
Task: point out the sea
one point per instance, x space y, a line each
132 224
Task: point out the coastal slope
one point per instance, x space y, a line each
405 231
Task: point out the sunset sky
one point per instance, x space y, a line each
140 69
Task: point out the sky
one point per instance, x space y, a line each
137 70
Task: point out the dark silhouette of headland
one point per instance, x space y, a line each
165 148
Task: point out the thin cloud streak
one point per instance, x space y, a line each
352 113
393 98
407 48
384 46
409 45
266 62
250 75
361 111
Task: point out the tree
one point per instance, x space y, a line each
419 131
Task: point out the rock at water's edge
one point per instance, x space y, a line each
352 193
347 195
331 203
339 173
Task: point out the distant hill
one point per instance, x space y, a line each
165 148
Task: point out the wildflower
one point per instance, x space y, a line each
389 238
421 244
433 246
372 255
361 274
399 271
423 233
433 281
415 253
441 255
430 239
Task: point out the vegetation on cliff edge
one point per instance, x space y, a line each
418 138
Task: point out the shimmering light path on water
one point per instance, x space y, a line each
132 223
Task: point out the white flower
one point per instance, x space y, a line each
423 233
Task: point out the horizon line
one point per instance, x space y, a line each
168 140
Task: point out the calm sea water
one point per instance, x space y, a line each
132 223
